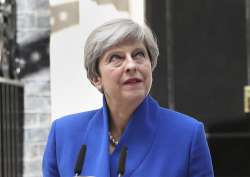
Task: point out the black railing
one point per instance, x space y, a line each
11 128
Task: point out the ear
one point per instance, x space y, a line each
97 82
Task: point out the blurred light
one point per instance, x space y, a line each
18 70
35 56
20 62
2 1
52 21
63 16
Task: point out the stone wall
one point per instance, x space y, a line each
33 55
37 119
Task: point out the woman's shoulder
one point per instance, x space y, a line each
181 127
73 121
178 120
169 116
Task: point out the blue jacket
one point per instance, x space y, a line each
160 142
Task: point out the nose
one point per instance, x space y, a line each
131 65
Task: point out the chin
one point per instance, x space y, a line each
135 95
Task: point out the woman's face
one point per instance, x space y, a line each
125 72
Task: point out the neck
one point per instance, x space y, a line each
120 113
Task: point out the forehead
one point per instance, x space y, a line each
131 44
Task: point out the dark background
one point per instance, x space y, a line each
202 72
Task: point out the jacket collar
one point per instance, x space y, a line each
137 137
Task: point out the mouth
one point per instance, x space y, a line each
132 81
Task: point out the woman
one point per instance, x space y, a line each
120 57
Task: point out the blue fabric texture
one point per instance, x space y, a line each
160 142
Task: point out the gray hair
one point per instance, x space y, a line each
112 33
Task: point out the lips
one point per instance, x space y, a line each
132 81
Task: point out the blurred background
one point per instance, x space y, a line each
203 71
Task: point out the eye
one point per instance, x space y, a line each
114 58
139 55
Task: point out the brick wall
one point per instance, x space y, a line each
33 41
37 118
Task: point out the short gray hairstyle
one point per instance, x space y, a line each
112 33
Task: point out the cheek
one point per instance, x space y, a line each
148 70
149 79
112 76
148 83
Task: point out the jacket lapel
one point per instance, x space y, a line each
97 156
138 137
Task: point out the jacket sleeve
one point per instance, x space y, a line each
50 168
200 164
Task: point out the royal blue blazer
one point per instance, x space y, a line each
160 142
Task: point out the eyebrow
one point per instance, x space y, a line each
140 48
118 50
